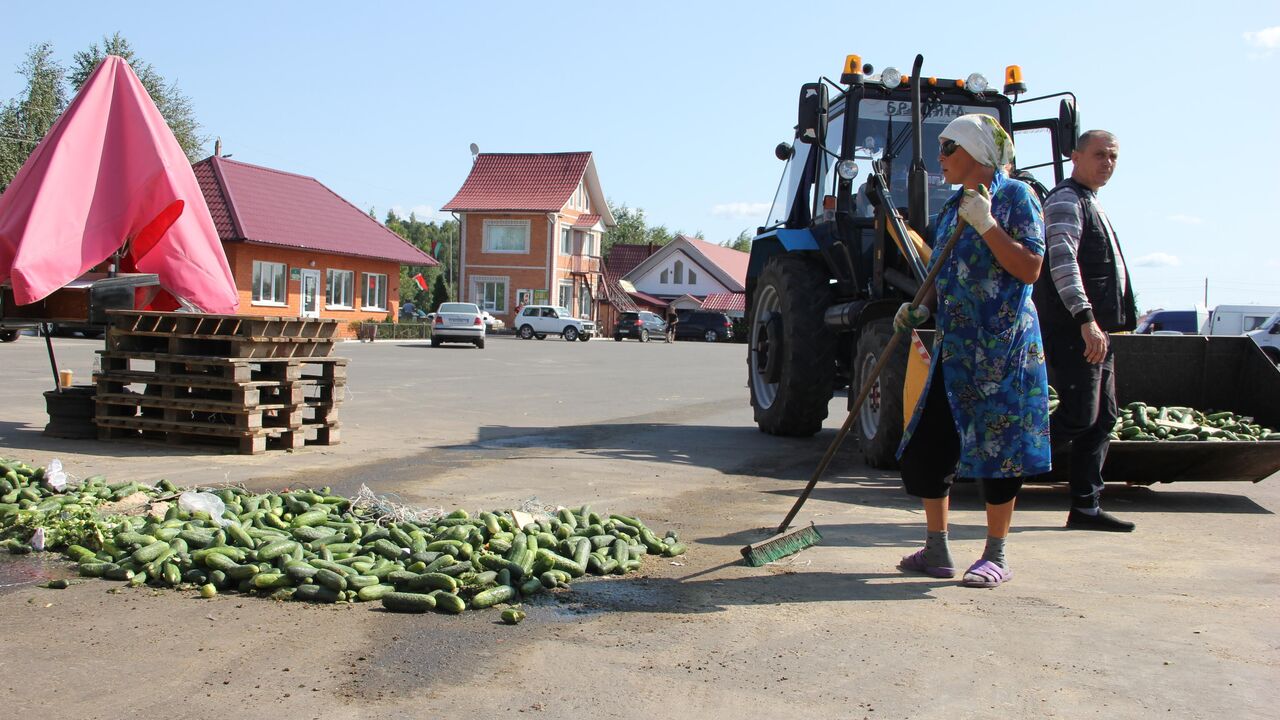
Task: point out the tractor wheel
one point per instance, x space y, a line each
880 417
1272 354
791 357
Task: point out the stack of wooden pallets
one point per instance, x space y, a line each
250 383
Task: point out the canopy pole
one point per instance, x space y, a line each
47 330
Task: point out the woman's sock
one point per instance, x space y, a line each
995 551
937 552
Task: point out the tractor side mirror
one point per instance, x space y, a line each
811 121
1068 127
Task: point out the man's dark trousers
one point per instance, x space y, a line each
1086 411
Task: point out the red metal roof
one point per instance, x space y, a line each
732 262
725 302
586 221
521 181
624 258
260 205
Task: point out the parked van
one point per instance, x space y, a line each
1268 338
1237 319
1163 322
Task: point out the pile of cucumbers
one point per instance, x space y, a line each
315 546
1139 421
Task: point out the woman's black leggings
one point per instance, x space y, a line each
929 461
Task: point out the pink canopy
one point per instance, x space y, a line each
111 171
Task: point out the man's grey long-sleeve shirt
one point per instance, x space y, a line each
1064 225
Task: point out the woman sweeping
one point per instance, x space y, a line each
984 412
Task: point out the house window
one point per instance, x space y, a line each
566 293
490 293
339 289
662 277
584 302
693 277
566 241
375 291
506 236
269 280
679 278
588 244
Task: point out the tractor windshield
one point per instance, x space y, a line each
884 133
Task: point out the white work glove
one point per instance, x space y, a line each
975 209
909 317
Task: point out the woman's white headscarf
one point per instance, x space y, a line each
983 138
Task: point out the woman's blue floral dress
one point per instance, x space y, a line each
989 346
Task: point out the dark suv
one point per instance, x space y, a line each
640 325
709 326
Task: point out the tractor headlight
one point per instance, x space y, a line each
976 83
847 169
891 77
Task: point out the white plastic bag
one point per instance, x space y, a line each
206 503
54 477
37 540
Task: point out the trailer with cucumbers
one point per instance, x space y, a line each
1193 408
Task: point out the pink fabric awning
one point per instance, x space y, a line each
110 170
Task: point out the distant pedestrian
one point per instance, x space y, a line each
1085 294
672 320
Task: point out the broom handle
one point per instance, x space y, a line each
871 378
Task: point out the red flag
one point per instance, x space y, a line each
422 282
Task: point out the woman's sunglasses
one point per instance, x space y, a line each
947 148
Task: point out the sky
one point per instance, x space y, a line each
682 103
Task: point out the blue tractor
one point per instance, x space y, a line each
842 247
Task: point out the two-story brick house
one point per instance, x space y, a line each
531 227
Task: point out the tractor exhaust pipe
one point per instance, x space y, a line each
918 178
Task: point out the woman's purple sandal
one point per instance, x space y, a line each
986 574
915 563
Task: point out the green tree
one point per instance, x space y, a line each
173 105
633 229
25 119
439 292
743 242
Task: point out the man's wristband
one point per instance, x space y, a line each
1085 316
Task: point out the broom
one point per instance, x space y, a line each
784 542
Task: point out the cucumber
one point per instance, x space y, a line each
150 552
493 596
375 592
330 579
408 602
450 603
273 550
434 581
315 593
310 518
513 616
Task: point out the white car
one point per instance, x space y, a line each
457 322
542 320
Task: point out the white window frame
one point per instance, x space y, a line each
488 238
339 285
273 290
677 273
566 240
378 301
565 301
479 290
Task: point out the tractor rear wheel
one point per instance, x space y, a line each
791 354
880 417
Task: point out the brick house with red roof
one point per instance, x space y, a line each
295 247
531 227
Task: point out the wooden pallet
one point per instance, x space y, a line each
200 367
201 324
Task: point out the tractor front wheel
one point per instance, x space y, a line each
880 417
791 361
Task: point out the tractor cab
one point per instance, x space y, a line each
846 238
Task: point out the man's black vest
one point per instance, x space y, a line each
1113 309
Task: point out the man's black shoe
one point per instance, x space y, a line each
1105 521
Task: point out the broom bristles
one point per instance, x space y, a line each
780 546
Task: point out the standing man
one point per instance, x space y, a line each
672 320
1085 295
